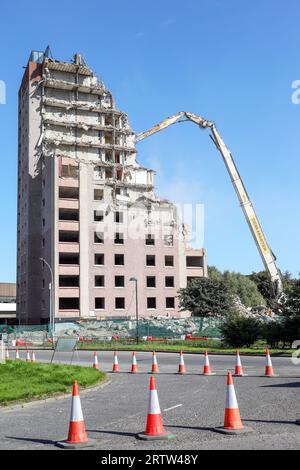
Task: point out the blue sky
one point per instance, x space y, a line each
230 61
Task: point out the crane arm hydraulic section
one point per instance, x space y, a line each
266 253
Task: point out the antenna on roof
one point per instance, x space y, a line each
48 53
78 60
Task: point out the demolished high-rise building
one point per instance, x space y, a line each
87 210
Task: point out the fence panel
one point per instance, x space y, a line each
106 330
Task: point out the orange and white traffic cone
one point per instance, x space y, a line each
207 369
33 357
232 420
154 369
134 367
181 369
28 357
269 372
116 363
239 372
17 355
77 436
95 363
154 427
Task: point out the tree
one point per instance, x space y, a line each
238 331
288 283
263 284
292 305
274 333
206 297
244 288
214 273
239 285
291 329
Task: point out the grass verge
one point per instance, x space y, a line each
212 346
23 382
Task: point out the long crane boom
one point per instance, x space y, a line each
266 253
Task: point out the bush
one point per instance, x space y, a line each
239 331
273 333
285 331
291 329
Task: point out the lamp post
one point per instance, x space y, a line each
134 279
51 303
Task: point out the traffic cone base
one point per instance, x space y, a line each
76 433
155 430
269 372
232 432
163 437
68 445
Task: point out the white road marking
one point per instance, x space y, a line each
173 407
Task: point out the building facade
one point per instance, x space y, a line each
7 303
87 210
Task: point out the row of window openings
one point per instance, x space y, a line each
120 303
120 281
73 193
72 171
120 260
73 281
73 304
73 214
118 216
119 239
72 237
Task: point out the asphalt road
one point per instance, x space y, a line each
192 406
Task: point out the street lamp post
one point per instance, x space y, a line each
134 279
51 303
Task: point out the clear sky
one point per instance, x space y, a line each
231 61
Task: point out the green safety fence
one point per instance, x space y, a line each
122 328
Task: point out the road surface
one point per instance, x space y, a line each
192 406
